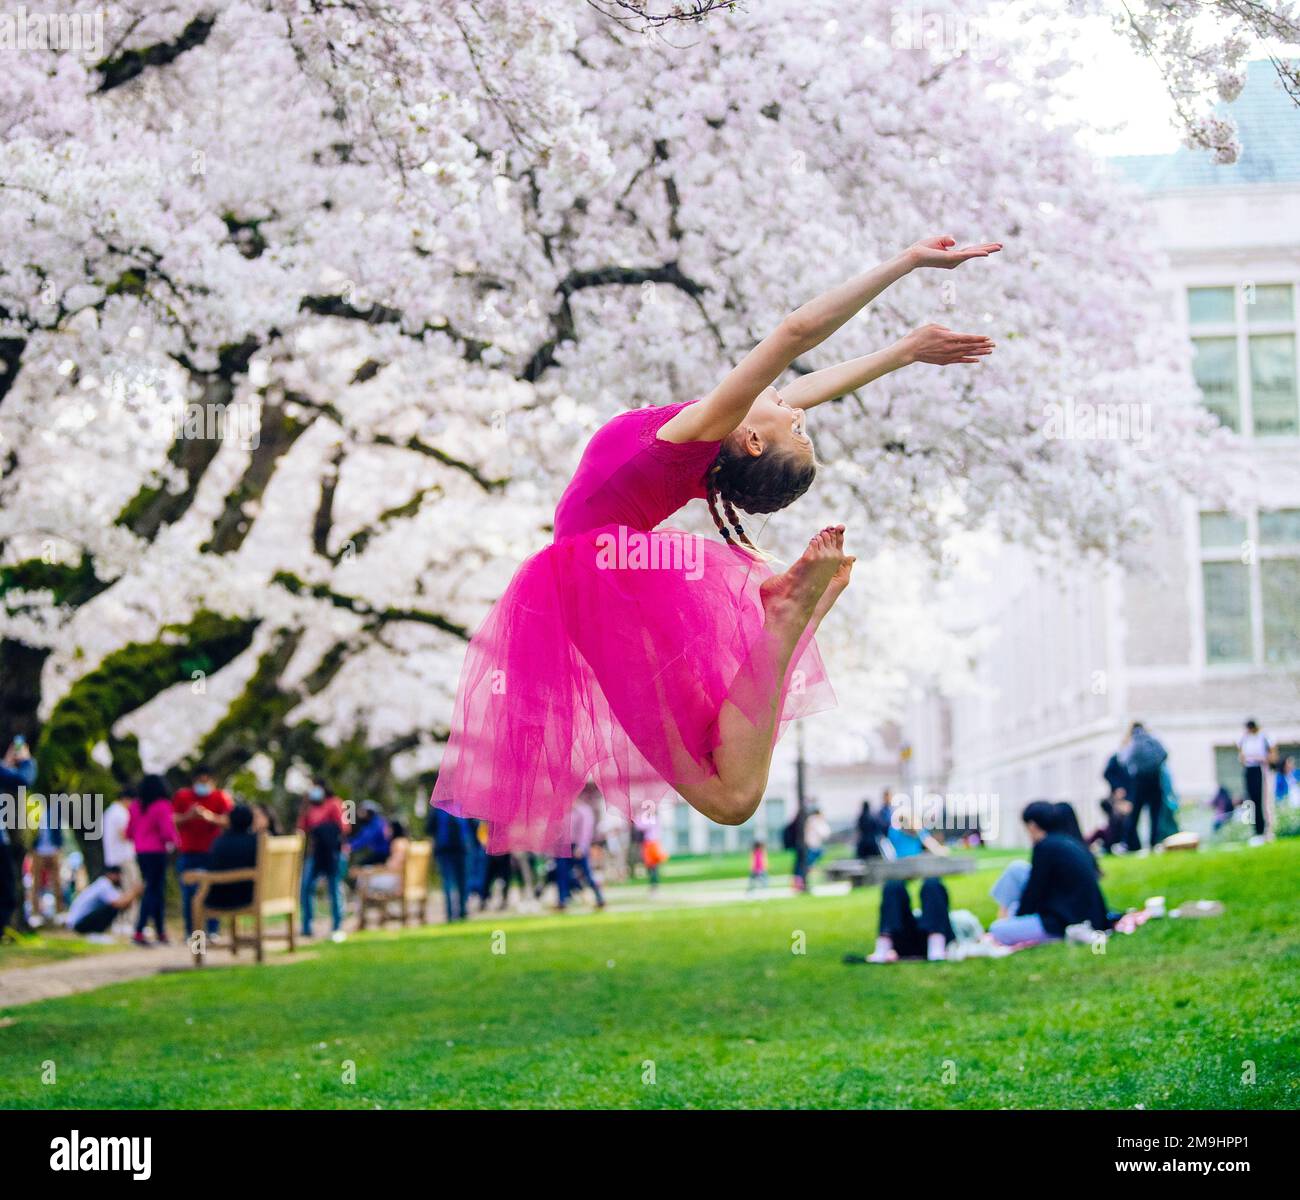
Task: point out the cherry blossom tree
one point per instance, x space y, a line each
306 311
1200 48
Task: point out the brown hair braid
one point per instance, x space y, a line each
759 483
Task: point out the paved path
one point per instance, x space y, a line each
23 985
26 985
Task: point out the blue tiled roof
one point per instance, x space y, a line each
1268 126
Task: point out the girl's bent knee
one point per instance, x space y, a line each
735 808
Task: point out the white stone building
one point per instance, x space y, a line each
1209 633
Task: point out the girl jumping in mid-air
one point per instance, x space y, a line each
649 660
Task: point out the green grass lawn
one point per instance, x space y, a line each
710 1008
33 949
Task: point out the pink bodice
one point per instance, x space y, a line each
629 476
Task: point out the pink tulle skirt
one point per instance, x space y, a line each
608 658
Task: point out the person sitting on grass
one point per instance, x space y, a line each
1113 834
904 933
908 837
907 934
95 908
1055 818
1060 888
1067 821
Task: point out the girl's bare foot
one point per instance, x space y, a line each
839 581
792 597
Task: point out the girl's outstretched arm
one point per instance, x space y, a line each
929 344
724 408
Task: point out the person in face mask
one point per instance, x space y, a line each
325 824
201 812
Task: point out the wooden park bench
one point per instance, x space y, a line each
411 893
276 880
863 872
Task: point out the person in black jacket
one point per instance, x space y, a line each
1061 890
234 849
1143 757
869 831
1117 776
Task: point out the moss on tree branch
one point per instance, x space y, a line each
125 680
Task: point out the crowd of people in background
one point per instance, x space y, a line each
1054 895
1139 781
148 831
1057 893
152 834
470 875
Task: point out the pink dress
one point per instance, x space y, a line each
612 650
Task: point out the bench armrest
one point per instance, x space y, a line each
236 875
204 880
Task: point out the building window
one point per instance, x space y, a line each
1227 613
1244 356
1279 583
1215 366
1250 586
1227 769
682 827
1211 306
774 819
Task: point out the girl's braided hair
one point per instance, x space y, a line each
759 483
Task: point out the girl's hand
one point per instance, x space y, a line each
935 344
939 252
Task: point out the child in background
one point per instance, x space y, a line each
653 854
1223 806
758 866
1111 835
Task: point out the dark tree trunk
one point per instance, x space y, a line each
20 690
20 697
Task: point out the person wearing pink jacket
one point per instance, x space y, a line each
153 833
